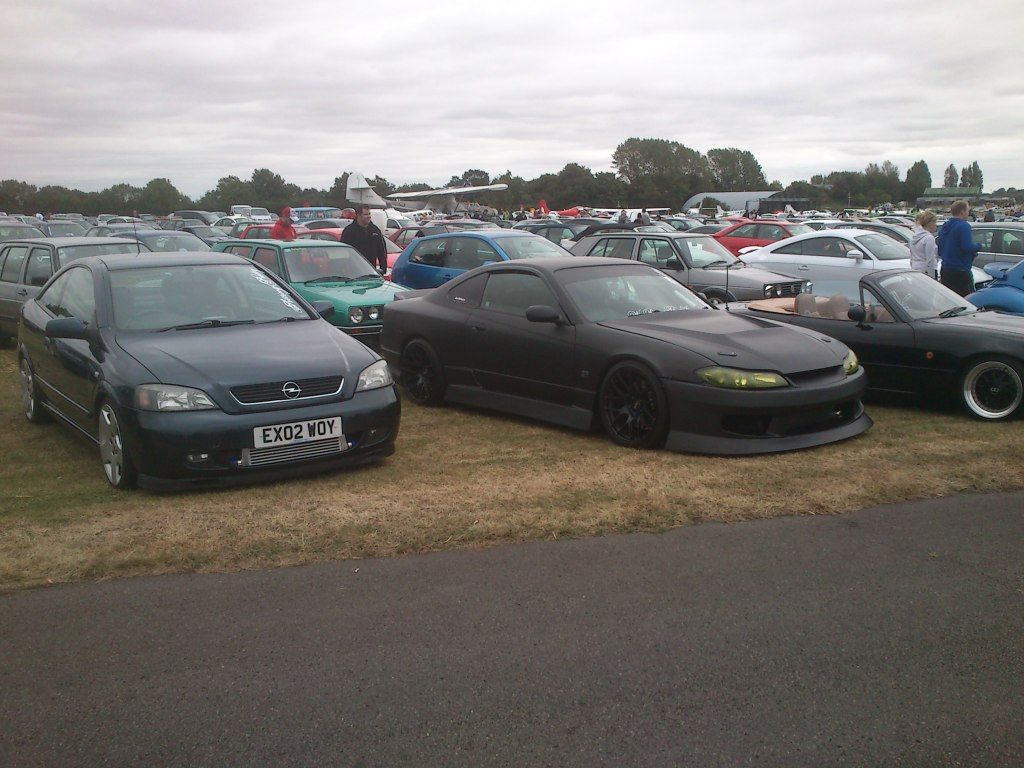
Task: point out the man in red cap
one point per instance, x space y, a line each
283 229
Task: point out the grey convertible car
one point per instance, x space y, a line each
699 262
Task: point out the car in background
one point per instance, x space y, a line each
200 368
682 223
327 223
262 231
898 221
176 225
26 266
1000 242
61 228
205 216
555 231
433 260
750 234
334 235
1006 291
326 271
206 233
585 341
165 241
699 262
834 260
897 233
406 235
916 337
114 230
707 229
124 220
15 230
256 214
239 227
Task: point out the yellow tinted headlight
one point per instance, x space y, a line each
733 378
851 364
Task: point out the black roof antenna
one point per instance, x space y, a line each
138 244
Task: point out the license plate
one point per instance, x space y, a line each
297 432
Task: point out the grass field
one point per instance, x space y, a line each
459 478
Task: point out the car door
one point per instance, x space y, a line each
770 233
429 264
513 355
743 236
12 290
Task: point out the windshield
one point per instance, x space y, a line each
883 248
72 252
174 241
259 212
19 230
316 261
921 297
798 229
704 251
530 247
156 298
206 232
58 230
615 293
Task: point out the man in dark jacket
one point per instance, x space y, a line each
366 237
957 250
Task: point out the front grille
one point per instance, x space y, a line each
788 289
260 457
273 392
820 376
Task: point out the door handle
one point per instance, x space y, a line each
23 292
803 267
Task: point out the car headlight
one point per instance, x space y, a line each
355 315
373 313
769 291
167 397
851 363
808 287
732 378
374 377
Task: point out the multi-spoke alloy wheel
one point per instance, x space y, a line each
633 407
117 464
421 373
992 389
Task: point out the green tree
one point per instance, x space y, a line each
161 197
919 178
230 190
976 176
474 177
735 170
951 178
660 172
17 196
120 198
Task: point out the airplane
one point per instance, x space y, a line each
440 200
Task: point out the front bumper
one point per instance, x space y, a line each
714 420
166 446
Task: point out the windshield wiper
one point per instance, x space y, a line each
329 279
289 319
211 323
374 276
952 312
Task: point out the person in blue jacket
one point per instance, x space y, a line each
957 250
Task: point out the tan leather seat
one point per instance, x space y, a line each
838 307
805 304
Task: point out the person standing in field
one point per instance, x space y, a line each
366 237
957 250
283 229
924 251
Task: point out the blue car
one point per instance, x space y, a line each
428 262
1006 292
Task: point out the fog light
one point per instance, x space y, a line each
197 458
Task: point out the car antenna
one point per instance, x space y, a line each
727 268
138 245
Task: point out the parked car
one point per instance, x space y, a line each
207 234
707 229
682 223
240 226
165 241
327 223
748 234
176 225
26 266
114 230
326 271
1000 242
916 337
699 262
262 231
583 341
163 364
431 261
334 235
10 230
834 260
406 235
898 233
61 228
205 216
1006 292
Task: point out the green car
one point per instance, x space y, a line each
322 270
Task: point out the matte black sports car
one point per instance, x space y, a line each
579 340
200 367
915 336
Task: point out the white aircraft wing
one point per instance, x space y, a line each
448 191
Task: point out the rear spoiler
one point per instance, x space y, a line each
412 294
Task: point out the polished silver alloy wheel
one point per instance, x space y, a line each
111 447
28 390
992 390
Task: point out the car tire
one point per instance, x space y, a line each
632 406
992 389
115 459
422 375
30 402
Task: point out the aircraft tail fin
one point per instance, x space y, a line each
358 190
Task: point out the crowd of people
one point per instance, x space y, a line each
952 250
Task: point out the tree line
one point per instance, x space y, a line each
648 172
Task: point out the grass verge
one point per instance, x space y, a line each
459 478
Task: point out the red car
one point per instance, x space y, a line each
394 251
262 232
744 234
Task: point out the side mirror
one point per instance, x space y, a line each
857 313
674 263
324 308
540 313
855 255
67 328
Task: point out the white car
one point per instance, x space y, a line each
835 259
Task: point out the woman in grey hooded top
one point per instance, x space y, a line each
924 252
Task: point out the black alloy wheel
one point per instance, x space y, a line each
421 373
633 407
992 389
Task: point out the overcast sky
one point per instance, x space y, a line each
98 92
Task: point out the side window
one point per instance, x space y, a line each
1012 242
874 310
793 249
267 257
239 250
470 253
601 248
513 292
15 261
656 252
40 267
469 292
431 252
50 298
747 230
72 296
614 248
984 237
832 247
771 232
558 234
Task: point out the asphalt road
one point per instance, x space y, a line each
892 636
